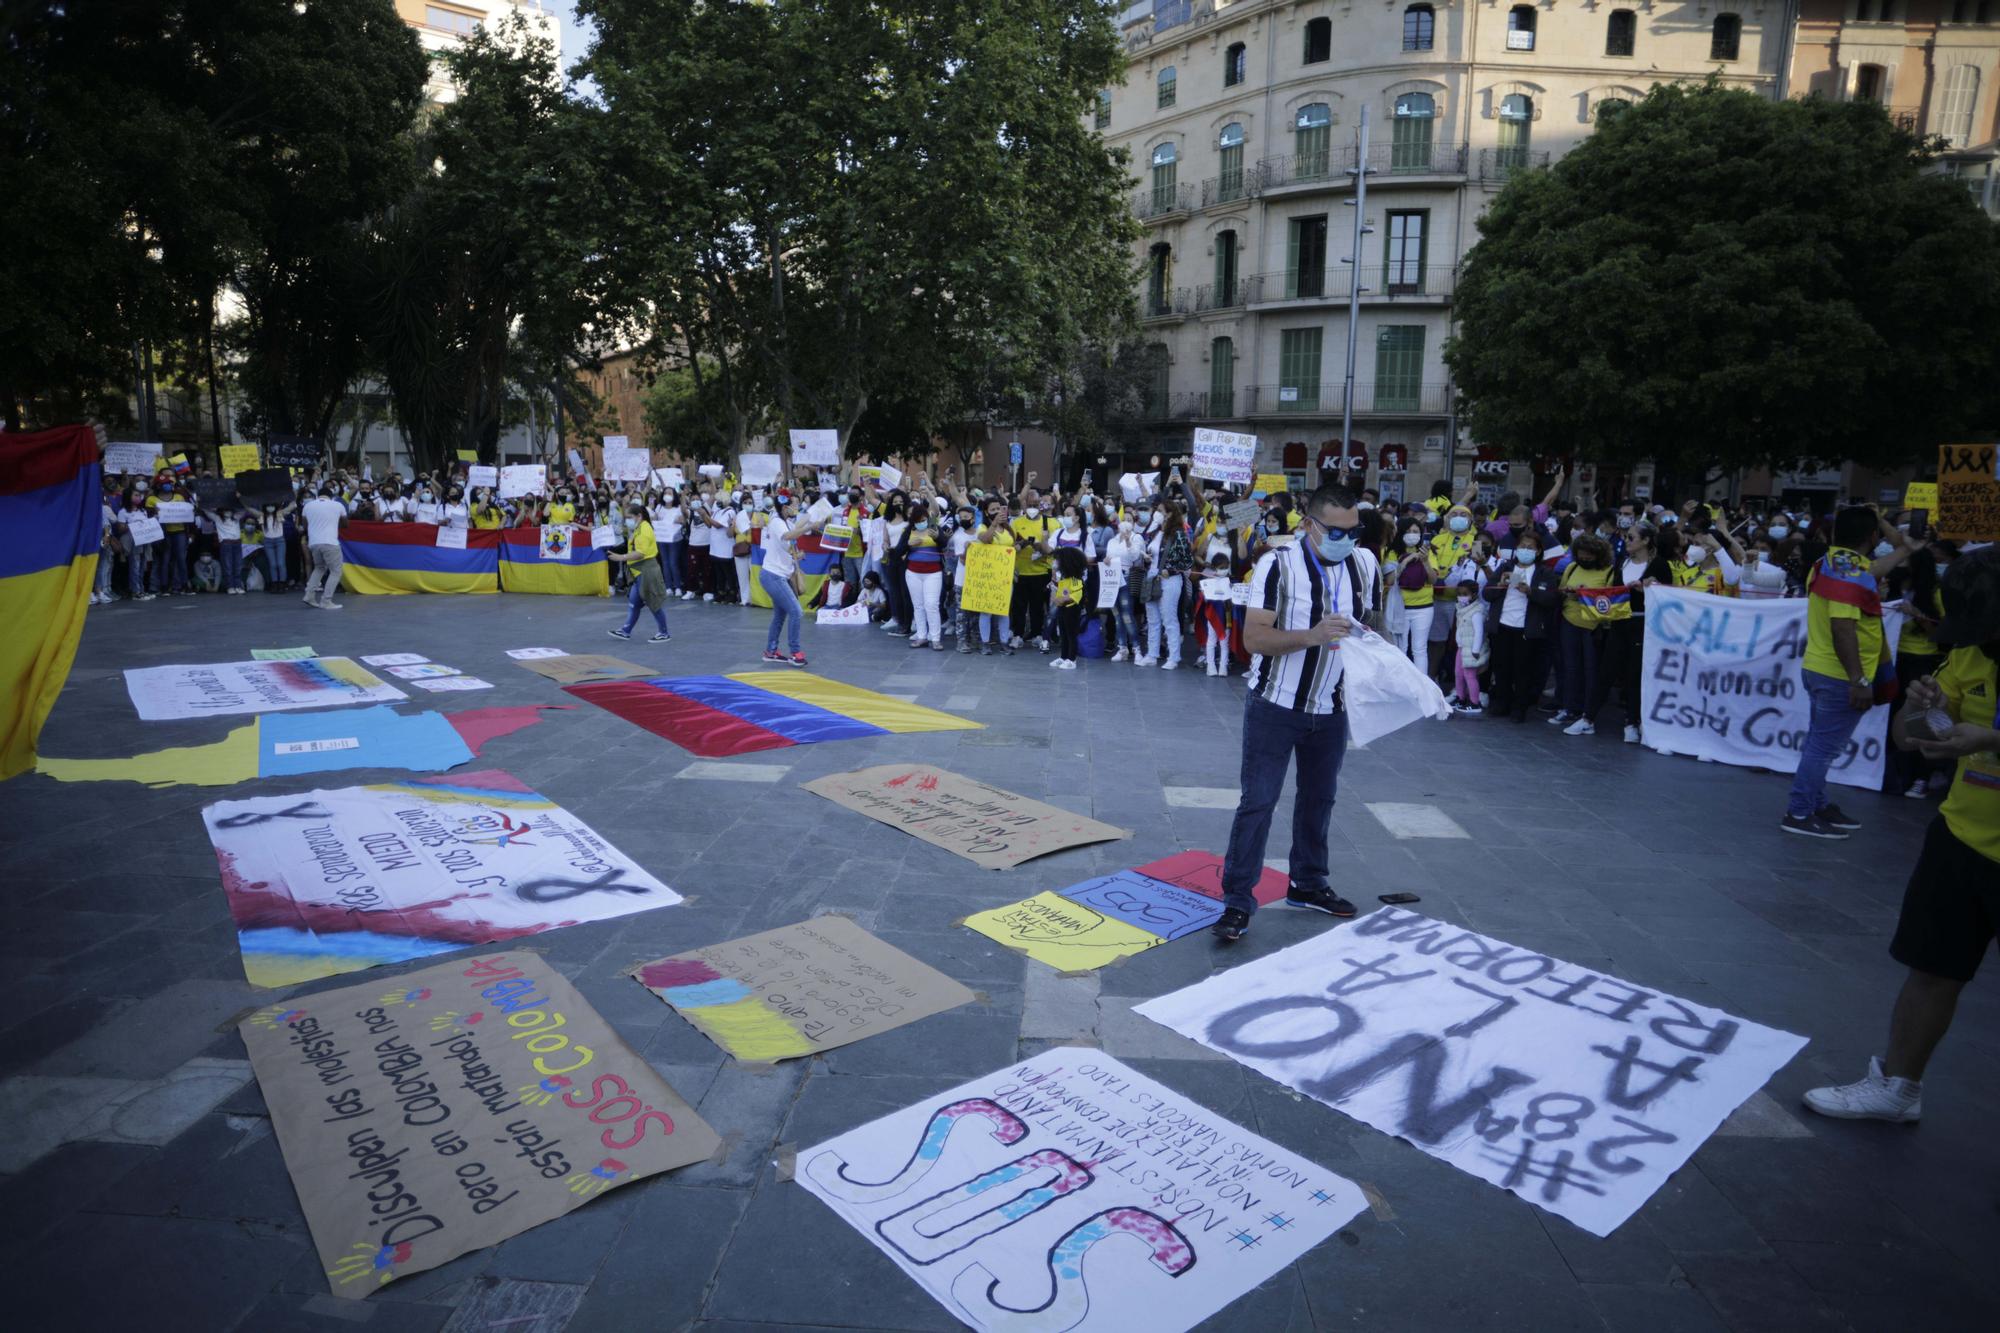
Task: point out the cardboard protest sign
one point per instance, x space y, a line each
603 537
238 458
760 469
799 989
580 668
989 579
488 477
145 531
394 659
265 488
132 460
1720 679
445 1111
290 451
451 539
452 683
625 464
1576 1091
1921 495
986 825
421 670
218 688
850 615
281 654
175 511
532 654
215 494
1069 936
1070 1191
1241 514
1968 495
325 882
518 479
816 448
1224 456
1270 483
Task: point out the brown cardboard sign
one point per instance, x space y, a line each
443 1111
1968 496
986 825
799 989
582 668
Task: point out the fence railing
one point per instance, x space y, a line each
1222 296
1165 304
1157 201
1392 399
1379 282
1334 165
1497 164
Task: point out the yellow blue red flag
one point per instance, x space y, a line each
50 529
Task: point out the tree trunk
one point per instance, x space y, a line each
214 395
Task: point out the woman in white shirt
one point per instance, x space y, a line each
779 568
721 553
1125 560
741 543
455 512
670 528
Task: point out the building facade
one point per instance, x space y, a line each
1241 119
443 24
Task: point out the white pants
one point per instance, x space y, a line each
1416 636
742 577
925 589
1163 619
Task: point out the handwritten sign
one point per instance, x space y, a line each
1270 483
816 448
518 479
421 671
844 615
989 579
580 668
292 450
1069 1191
760 469
1968 496
237 458
1241 515
603 537
489 477
145 531
989 826
799 989
622 463
556 539
1224 456
532 654
429 1115
395 659
1110 582
175 511
1921 495
453 684
451 539
282 654
671 478
1574 1090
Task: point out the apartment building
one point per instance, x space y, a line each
442 24
1240 119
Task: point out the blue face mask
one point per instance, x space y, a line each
1333 550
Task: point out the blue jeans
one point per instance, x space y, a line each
1832 726
997 629
274 556
105 560
232 563
177 562
636 601
1273 738
1128 628
674 568
784 609
140 567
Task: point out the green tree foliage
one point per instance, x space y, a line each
687 409
1713 280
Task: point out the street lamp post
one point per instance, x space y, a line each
1359 203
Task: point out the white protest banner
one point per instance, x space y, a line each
603 537
451 539
479 475
420 670
132 460
853 615
1071 1192
531 654
1720 679
1110 582
760 469
616 441
710 470
622 464
1241 514
395 659
518 479
164 692
145 531
669 478
175 511
1576 1091
816 448
1224 456
576 464
1136 485
820 511
453 683
1215 589
335 881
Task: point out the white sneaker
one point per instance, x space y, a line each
1145 661
328 606
1876 1097
1918 789
1560 719
1014 642
1122 655
708 597
1208 668
1170 666
1056 662
1581 727
1065 664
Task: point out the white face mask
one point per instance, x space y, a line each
1069 521
1125 528
1524 555
1032 512
1412 538
1460 523
1780 532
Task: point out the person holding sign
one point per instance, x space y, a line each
649 586
1306 597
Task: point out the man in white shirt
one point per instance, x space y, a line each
322 518
721 551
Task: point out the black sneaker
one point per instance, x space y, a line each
619 633
1812 826
1320 900
661 638
1231 926
1833 817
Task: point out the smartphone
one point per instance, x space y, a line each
1399 898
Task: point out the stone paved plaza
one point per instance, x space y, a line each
142 1179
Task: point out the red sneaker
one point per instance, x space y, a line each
798 659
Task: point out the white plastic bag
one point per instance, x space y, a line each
1383 688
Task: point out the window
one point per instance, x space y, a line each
1234 63
1156 380
1419 27
1319 41
1610 106
1166 173
1305 258
1517 113
1961 95
1404 251
1167 87
1298 370
1410 134
1103 109
1725 38
450 20
1521 28
1399 367
1225 269
1159 274
1310 140
1868 83
1229 147
1620 31
1958 11
1222 378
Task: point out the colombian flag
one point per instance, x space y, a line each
716 716
582 571
816 563
405 557
50 529
1840 576
1612 603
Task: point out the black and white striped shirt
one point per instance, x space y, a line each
1303 589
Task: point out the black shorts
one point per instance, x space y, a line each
1950 909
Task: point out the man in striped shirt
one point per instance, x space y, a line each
1306 596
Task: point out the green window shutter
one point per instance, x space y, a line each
1399 367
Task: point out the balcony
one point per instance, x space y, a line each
1209 296
1406 283
1162 201
1332 166
1230 188
1499 164
1165 304
1324 400
1181 407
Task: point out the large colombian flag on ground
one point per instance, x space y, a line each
50 524
760 710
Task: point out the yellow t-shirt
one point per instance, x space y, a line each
643 543
1575 610
1029 558
1821 612
1447 549
1072 589
1291 520
486 519
1700 578
1438 504
560 514
1914 638
1971 683
1416 598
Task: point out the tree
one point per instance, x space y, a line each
1713 280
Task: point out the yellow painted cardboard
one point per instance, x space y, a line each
1068 937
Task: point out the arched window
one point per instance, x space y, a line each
1166 178
1222 377
1159 277
1725 38
1517 115
1620 32
1870 81
1234 64
1168 87
1311 137
1521 28
1229 148
1225 270
1104 108
1410 134
1961 96
1419 28
1609 107
1319 41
